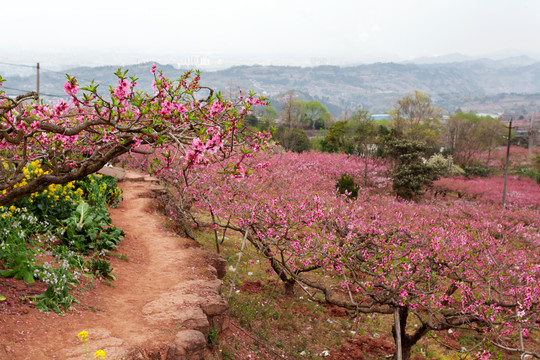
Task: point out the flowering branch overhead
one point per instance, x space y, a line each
76 138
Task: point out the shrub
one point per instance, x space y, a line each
444 167
477 171
533 174
347 186
411 175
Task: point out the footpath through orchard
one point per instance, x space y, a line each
165 299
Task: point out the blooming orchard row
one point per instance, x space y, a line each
522 192
450 264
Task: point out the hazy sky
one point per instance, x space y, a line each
100 31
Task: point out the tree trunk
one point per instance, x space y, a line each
397 335
289 287
406 340
405 350
276 266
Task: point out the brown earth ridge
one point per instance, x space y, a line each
164 302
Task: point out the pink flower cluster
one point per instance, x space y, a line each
71 88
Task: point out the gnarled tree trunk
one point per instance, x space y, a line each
402 338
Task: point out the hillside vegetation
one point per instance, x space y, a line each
483 86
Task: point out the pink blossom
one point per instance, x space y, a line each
71 88
122 90
483 355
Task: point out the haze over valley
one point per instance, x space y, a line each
453 82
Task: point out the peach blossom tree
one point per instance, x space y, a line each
74 138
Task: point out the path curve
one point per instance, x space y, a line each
165 298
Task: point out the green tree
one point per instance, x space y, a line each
359 135
468 135
252 120
536 163
292 139
367 137
291 109
416 119
303 114
346 185
267 117
336 139
314 115
411 175
365 133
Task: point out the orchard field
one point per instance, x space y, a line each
405 251
461 265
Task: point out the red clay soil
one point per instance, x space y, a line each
251 287
363 347
164 295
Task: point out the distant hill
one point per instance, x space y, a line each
443 59
472 85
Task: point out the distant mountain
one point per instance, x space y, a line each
500 62
472 85
521 60
443 59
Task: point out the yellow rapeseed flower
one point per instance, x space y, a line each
99 354
83 336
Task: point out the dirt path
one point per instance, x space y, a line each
164 300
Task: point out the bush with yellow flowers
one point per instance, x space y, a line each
57 234
100 189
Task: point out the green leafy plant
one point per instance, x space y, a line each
213 336
477 171
62 222
346 185
21 267
57 296
89 229
101 267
